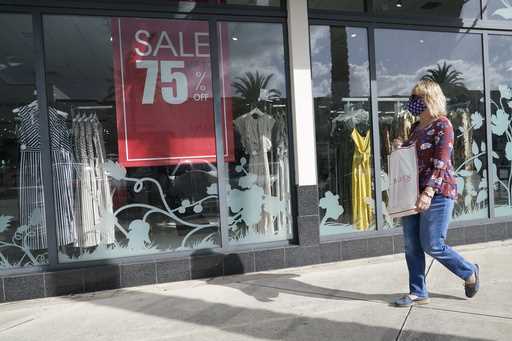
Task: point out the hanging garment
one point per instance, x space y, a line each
401 124
93 199
361 181
31 199
105 195
256 133
462 151
282 170
340 170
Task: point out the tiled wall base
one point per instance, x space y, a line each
28 286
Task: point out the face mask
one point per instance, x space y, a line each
416 105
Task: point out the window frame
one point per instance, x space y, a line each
370 16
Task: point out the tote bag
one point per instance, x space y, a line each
403 182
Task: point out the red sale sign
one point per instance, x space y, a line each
164 97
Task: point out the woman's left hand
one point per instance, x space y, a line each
423 202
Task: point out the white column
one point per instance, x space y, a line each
302 94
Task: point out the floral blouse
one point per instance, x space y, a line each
434 147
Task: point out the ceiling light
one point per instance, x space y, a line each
353 35
399 4
234 38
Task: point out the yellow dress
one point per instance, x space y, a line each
361 181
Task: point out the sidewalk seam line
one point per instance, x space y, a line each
17 325
403 324
466 312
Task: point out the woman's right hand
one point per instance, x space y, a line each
423 203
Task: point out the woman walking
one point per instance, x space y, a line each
425 232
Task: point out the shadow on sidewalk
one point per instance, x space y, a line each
196 318
253 284
184 313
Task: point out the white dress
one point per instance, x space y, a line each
256 134
92 195
282 170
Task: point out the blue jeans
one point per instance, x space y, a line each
426 233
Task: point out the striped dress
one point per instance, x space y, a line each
30 179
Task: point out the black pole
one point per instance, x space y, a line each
46 156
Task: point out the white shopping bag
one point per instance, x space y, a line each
403 182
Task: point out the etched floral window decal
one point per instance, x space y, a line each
17 244
501 128
503 9
247 204
470 173
250 206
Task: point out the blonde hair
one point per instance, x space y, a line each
432 95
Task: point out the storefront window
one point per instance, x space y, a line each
454 60
339 5
23 231
132 122
500 73
341 93
452 8
254 101
498 9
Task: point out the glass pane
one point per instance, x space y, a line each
499 9
256 110
452 8
133 117
340 5
454 60
341 83
500 71
22 217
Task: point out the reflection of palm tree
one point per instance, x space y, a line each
250 85
447 77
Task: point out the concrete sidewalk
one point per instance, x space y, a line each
339 301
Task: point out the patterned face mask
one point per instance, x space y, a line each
416 105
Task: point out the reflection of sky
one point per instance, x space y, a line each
258 47
500 60
403 57
357 59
